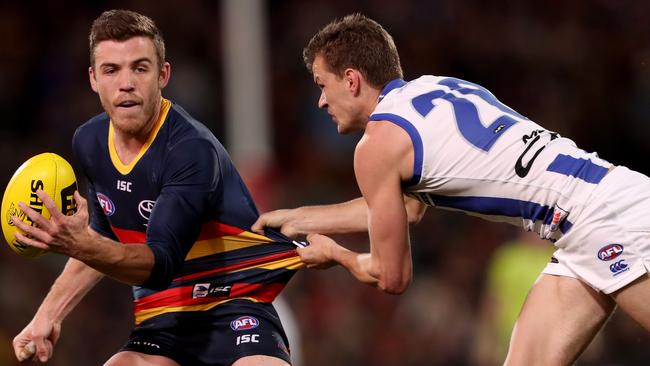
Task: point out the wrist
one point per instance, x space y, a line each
101 252
83 248
49 316
335 252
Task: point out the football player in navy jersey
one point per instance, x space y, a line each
168 213
449 143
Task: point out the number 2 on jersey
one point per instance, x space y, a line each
467 116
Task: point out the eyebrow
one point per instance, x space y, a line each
135 62
140 60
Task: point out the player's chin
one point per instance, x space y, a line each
130 121
342 129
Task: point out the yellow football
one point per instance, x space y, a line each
48 172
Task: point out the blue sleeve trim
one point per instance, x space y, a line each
415 139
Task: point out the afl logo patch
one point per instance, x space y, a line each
106 203
145 207
609 252
244 323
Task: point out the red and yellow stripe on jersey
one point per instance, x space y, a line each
238 263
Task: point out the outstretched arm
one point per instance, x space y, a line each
39 337
383 159
323 252
341 218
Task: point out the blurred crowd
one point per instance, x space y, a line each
580 68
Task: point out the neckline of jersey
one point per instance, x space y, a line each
393 84
125 169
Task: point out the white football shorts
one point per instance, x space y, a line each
608 246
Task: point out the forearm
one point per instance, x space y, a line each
358 264
128 263
344 218
366 269
69 288
340 218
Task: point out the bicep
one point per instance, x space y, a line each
176 221
184 203
378 159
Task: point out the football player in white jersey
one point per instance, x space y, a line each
446 142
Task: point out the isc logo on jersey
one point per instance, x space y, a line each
106 203
609 252
244 323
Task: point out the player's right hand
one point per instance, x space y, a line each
283 220
318 254
36 342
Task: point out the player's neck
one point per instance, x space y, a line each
129 144
371 99
127 147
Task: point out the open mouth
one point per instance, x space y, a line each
127 104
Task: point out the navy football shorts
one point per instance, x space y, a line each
219 336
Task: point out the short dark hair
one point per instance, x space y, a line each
356 42
121 25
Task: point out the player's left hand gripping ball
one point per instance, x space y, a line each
48 172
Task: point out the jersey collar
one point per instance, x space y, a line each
393 84
125 169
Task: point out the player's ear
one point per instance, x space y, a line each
353 80
165 74
91 77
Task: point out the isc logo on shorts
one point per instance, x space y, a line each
244 323
609 252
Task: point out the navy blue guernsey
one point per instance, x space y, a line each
183 197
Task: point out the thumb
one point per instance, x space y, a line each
258 226
26 352
313 236
80 201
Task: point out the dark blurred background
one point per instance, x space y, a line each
580 68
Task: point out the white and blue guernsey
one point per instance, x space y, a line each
474 154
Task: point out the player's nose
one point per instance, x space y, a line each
322 101
126 81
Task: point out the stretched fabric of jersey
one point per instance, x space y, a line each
184 198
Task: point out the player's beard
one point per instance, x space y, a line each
135 121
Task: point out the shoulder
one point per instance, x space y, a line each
384 146
383 137
98 125
89 135
185 132
191 146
